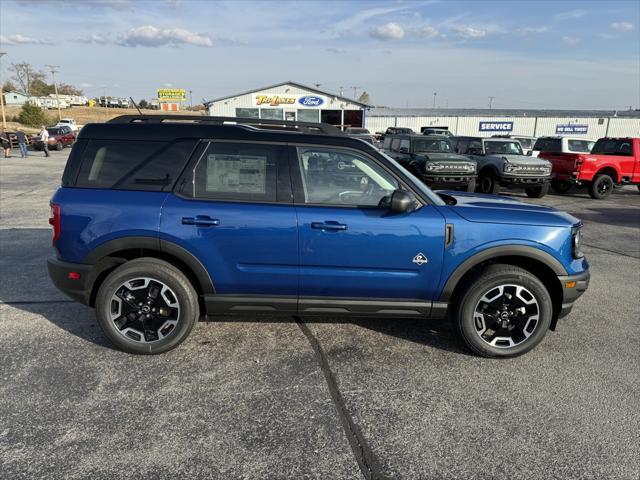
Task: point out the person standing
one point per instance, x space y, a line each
22 143
6 143
44 138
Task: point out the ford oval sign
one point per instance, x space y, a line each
310 101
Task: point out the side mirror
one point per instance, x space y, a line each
402 201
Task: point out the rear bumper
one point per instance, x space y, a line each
77 289
571 293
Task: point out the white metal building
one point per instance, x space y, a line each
15 98
291 101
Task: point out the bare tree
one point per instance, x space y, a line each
364 98
24 75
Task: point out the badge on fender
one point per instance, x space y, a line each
420 259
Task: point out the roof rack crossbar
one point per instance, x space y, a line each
323 128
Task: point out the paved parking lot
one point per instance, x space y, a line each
243 398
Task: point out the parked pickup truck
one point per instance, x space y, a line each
432 159
69 122
562 145
502 163
612 162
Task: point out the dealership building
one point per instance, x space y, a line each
291 101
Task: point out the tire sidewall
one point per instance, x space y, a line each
168 275
596 182
466 311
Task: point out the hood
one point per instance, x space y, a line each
520 159
493 209
441 157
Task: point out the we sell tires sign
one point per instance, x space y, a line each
496 127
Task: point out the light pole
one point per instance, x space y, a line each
191 99
435 94
54 69
491 102
4 118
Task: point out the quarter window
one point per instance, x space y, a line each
238 171
342 177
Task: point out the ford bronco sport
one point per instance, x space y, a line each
160 219
502 163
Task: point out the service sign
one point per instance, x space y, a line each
296 101
571 129
172 94
496 126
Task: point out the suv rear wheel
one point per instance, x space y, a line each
489 183
601 187
146 306
504 312
537 192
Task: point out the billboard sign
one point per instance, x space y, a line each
275 100
496 127
571 129
172 94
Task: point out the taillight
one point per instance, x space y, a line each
54 221
579 160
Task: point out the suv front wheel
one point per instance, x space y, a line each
504 312
146 306
489 183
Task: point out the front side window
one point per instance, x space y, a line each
343 177
238 171
395 144
405 144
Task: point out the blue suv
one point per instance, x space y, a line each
161 219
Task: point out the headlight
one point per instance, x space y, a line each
510 167
576 234
432 167
546 170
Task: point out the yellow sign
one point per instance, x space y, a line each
274 100
174 94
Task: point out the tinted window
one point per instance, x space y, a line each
395 144
54 131
610 146
342 177
132 165
551 145
426 145
583 146
405 143
387 142
238 171
247 113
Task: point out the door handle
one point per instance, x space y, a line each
329 225
201 221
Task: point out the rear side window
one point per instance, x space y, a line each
582 146
238 171
551 145
133 165
609 146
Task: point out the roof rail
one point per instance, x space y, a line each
306 127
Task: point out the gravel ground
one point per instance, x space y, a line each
270 398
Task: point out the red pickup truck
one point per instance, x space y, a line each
612 162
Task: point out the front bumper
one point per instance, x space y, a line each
447 179
573 286
78 288
507 181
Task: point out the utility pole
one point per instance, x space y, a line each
4 118
341 91
54 70
355 91
317 85
491 102
191 99
435 94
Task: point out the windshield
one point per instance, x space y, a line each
426 145
54 131
417 184
506 148
525 142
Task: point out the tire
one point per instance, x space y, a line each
561 186
59 146
471 186
638 187
485 335
601 186
537 192
173 313
489 183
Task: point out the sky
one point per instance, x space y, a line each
525 54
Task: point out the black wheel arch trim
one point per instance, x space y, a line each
497 252
156 244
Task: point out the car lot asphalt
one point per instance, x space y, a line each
328 398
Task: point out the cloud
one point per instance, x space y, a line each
336 50
526 31
571 40
150 36
19 39
428 31
621 26
571 15
85 85
468 32
390 31
95 38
